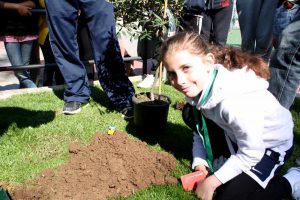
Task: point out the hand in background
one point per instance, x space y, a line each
24 10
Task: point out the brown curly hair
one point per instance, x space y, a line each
229 57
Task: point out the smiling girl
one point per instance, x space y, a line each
229 88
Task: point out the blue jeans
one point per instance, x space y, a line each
256 25
19 54
285 64
62 16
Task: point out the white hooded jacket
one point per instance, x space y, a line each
250 116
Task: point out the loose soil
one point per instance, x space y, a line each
145 98
111 166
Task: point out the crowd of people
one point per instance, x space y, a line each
57 35
238 99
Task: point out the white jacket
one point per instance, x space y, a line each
249 115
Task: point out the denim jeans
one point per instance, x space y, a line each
256 24
285 64
19 54
62 16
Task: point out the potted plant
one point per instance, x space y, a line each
151 109
147 20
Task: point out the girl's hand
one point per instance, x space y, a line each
206 188
202 168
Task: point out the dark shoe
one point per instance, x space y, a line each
127 113
71 108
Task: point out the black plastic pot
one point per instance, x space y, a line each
150 117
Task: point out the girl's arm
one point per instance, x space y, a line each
22 8
199 155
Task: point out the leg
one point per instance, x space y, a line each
62 20
216 134
84 44
243 187
49 58
264 29
248 11
285 65
27 51
189 23
111 70
49 72
207 26
221 25
19 55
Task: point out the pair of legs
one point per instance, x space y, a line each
215 24
63 21
243 187
285 65
256 25
19 54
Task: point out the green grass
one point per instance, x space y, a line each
234 38
35 134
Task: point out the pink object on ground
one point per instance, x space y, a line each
190 181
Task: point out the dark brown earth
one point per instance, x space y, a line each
111 166
180 105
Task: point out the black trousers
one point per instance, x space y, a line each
243 187
215 24
52 71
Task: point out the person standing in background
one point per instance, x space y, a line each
285 65
211 19
285 13
256 25
18 31
62 19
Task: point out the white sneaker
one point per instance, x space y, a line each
296 194
293 176
147 82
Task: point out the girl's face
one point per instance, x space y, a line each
189 73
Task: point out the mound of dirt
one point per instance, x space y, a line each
111 166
